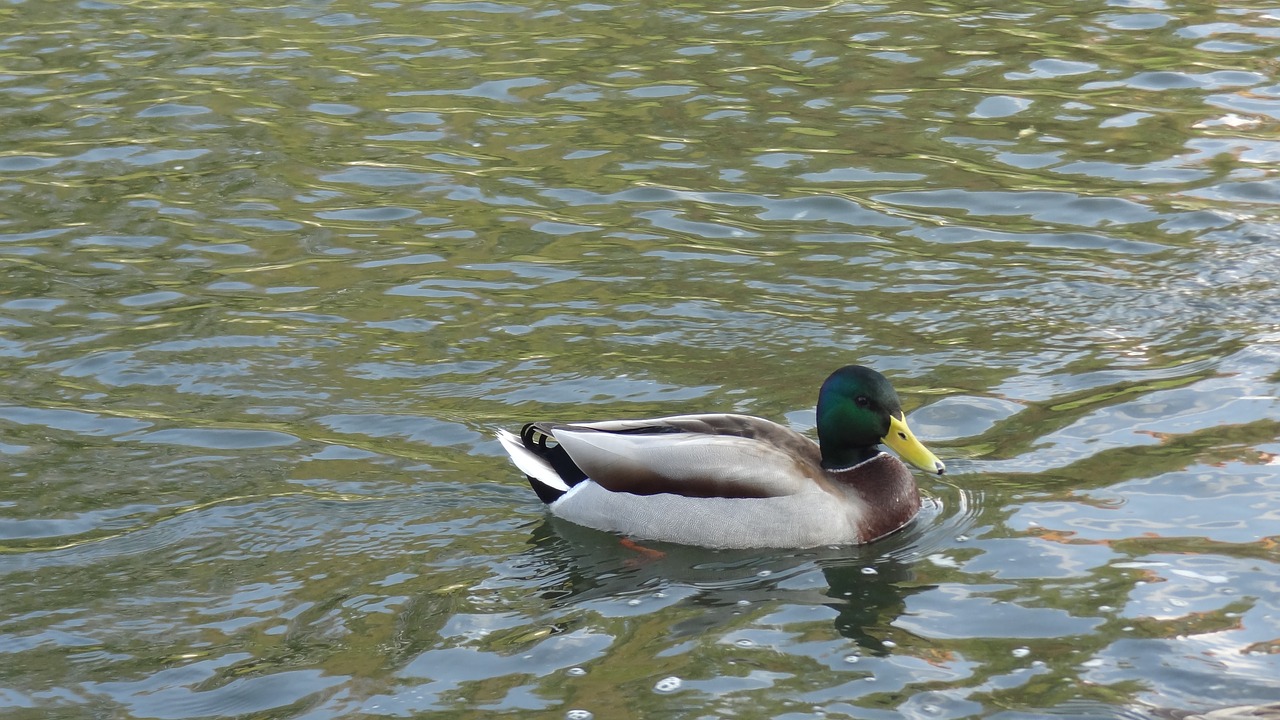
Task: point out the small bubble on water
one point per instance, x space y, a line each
659 594
890 644
744 643
633 603
851 659
870 571
962 538
575 671
764 573
1105 608
668 685
744 602
1021 652
578 715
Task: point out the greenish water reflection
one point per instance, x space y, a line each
272 275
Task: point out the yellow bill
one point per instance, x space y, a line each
902 441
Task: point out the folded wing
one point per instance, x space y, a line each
732 456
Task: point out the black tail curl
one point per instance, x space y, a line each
537 439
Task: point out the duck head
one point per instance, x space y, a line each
857 410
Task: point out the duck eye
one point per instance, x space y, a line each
862 401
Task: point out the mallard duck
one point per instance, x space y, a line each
735 481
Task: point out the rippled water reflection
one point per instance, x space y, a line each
273 275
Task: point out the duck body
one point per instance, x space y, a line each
730 481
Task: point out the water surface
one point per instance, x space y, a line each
273 274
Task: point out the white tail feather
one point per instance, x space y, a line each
530 464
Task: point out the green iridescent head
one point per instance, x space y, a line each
857 410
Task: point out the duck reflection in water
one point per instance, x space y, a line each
866 587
